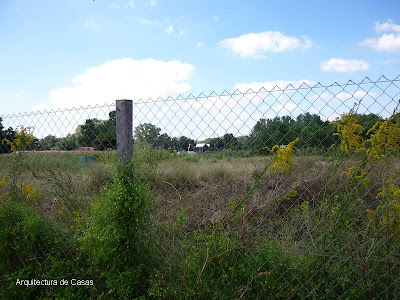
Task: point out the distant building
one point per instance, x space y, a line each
84 149
201 147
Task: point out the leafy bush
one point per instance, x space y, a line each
32 248
191 158
116 240
215 265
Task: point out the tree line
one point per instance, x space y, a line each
312 131
5 134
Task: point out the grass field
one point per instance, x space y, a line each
221 226
189 179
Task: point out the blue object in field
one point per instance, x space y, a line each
86 158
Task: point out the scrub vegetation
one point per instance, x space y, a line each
283 223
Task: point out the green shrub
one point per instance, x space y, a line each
33 248
99 176
116 240
215 265
199 270
191 158
151 156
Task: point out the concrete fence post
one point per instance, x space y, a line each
124 129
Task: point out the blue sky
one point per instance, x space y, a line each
83 52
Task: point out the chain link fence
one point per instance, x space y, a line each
284 193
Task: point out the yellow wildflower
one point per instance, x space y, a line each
387 213
284 155
29 193
349 130
357 173
12 145
350 171
385 139
3 183
23 138
363 177
370 214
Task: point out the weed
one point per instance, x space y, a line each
116 238
33 248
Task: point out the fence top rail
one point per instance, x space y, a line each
276 88
225 93
55 110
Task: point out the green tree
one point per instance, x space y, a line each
148 133
48 142
5 134
307 128
151 135
66 143
269 132
244 142
165 141
112 118
184 143
215 143
100 134
367 121
88 132
107 133
229 141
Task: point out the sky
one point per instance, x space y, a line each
75 53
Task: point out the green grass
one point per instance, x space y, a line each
219 232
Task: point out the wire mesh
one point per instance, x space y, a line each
291 192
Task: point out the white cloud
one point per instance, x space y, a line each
344 65
200 44
20 93
215 18
151 3
91 25
256 44
181 32
387 26
114 5
272 85
147 21
169 29
344 96
124 79
388 41
131 4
